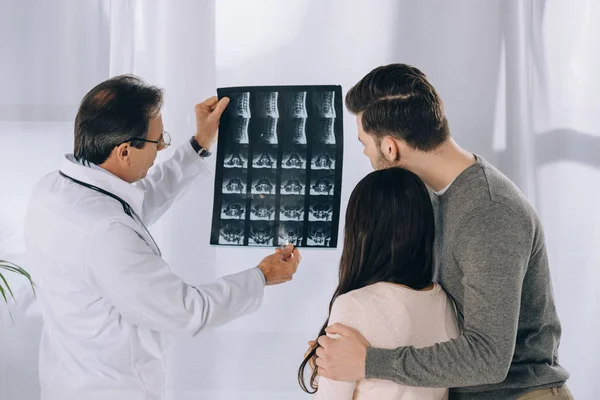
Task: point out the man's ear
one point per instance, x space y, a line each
390 148
123 153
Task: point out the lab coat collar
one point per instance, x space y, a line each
104 180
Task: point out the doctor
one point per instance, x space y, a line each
107 296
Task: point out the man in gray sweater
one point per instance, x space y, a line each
490 257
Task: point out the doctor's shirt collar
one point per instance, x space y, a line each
93 174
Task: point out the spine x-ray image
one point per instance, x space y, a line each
279 167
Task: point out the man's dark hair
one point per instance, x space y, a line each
112 113
397 100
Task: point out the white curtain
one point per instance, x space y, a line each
519 82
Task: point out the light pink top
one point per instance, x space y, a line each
391 316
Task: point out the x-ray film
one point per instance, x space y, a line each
279 167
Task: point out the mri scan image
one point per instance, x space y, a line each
319 234
291 233
261 234
321 209
263 209
279 165
231 233
233 207
265 157
234 181
236 157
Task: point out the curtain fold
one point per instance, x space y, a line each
121 17
519 24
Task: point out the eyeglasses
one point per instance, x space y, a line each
162 143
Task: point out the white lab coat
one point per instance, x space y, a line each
106 295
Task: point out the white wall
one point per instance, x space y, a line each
192 47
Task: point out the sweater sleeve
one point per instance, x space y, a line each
492 248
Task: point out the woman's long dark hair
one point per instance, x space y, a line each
388 237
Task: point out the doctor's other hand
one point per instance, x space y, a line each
281 266
208 115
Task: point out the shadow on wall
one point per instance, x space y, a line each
567 145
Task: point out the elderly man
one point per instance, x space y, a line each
107 296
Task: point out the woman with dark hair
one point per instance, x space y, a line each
385 288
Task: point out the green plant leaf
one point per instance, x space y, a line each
11 267
16 269
2 291
7 287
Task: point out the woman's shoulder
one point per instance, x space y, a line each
359 295
385 292
388 288
376 292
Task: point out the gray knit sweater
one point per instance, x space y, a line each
491 259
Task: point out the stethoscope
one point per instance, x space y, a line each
126 207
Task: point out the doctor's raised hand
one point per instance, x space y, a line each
208 114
